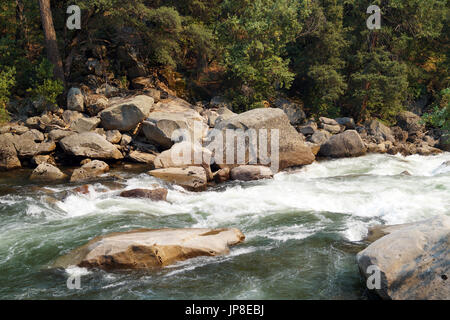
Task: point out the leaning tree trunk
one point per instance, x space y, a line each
50 40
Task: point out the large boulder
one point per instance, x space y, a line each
27 147
148 249
164 128
46 172
75 100
154 195
413 260
190 178
251 173
90 145
411 123
379 131
89 171
126 114
84 124
293 110
291 148
346 144
8 153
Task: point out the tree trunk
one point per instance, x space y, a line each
50 40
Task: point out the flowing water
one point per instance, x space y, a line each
303 230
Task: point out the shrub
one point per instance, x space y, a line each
7 81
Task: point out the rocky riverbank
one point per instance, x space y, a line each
139 128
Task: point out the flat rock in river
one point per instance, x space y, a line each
147 249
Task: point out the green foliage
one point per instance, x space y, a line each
440 116
7 81
254 36
45 89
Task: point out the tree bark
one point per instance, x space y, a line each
50 40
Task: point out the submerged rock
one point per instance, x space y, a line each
154 195
147 249
414 260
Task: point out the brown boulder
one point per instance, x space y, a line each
148 249
46 172
190 178
89 171
8 153
154 195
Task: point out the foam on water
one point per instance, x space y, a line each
367 189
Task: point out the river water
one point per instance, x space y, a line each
303 230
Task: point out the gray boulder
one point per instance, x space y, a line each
378 130
348 123
320 137
126 114
160 127
293 110
346 144
85 124
90 145
413 260
75 100
291 148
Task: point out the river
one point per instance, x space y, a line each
303 230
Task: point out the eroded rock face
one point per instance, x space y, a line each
190 178
414 260
126 114
154 195
90 145
89 171
8 153
46 172
292 150
251 173
346 144
148 249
